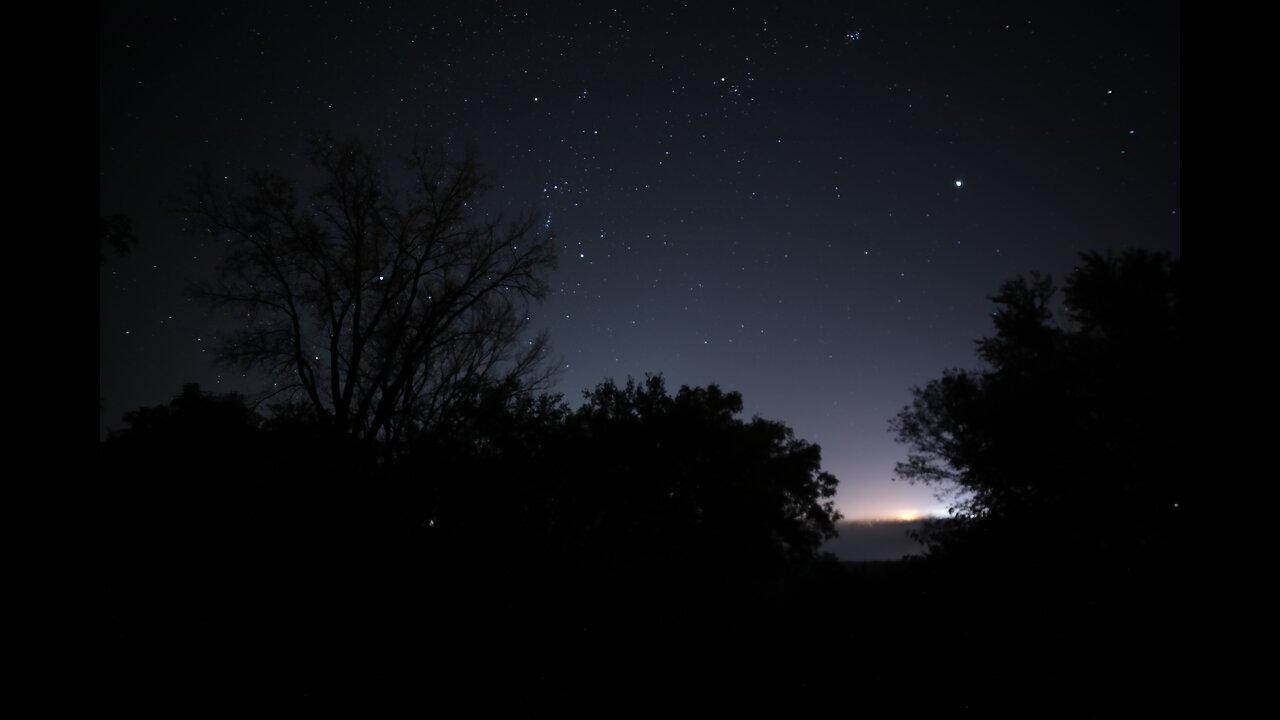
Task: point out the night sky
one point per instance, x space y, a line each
806 202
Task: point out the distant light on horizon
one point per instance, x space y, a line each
893 504
904 516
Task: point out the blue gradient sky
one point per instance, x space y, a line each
804 202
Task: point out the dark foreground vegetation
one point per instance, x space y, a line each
648 548
643 540
417 526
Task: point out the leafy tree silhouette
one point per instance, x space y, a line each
747 487
564 550
1069 440
222 536
174 523
640 520
1064 561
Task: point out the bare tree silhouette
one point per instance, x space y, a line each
383 314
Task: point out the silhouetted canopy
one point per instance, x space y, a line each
1070 437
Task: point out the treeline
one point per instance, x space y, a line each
415 502
416 520
640 530
655 540
1064 564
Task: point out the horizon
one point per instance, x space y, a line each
809 206
874 540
